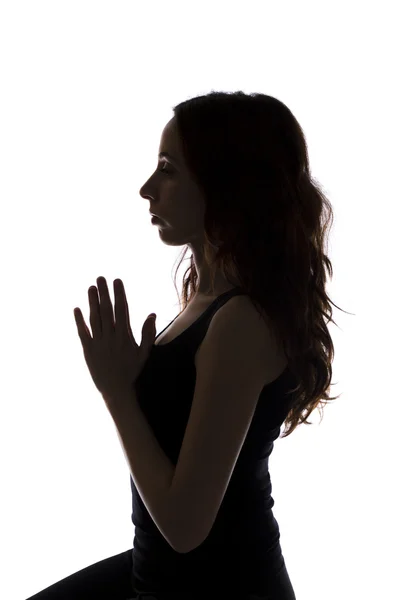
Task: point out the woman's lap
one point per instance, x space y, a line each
111 579
108 579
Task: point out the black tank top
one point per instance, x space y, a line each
243 548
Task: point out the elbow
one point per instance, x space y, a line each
187 543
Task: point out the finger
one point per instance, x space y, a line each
95 316
106 307
120 306
83 330
122 323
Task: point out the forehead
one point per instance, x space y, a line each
169 142
169 133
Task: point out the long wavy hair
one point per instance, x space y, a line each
266 223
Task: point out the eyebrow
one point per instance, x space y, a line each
167 156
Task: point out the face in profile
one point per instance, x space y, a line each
173 196
176 200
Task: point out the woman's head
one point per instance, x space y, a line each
265 223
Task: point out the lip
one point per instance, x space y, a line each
156 220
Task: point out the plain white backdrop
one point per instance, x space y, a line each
86 89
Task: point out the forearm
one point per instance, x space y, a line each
151 469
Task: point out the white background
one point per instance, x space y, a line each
86 89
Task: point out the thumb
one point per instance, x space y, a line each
152 320
148 332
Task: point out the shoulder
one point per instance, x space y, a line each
240 333
243 305
239 318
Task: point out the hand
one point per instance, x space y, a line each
113 357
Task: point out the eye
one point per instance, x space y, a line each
163 170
